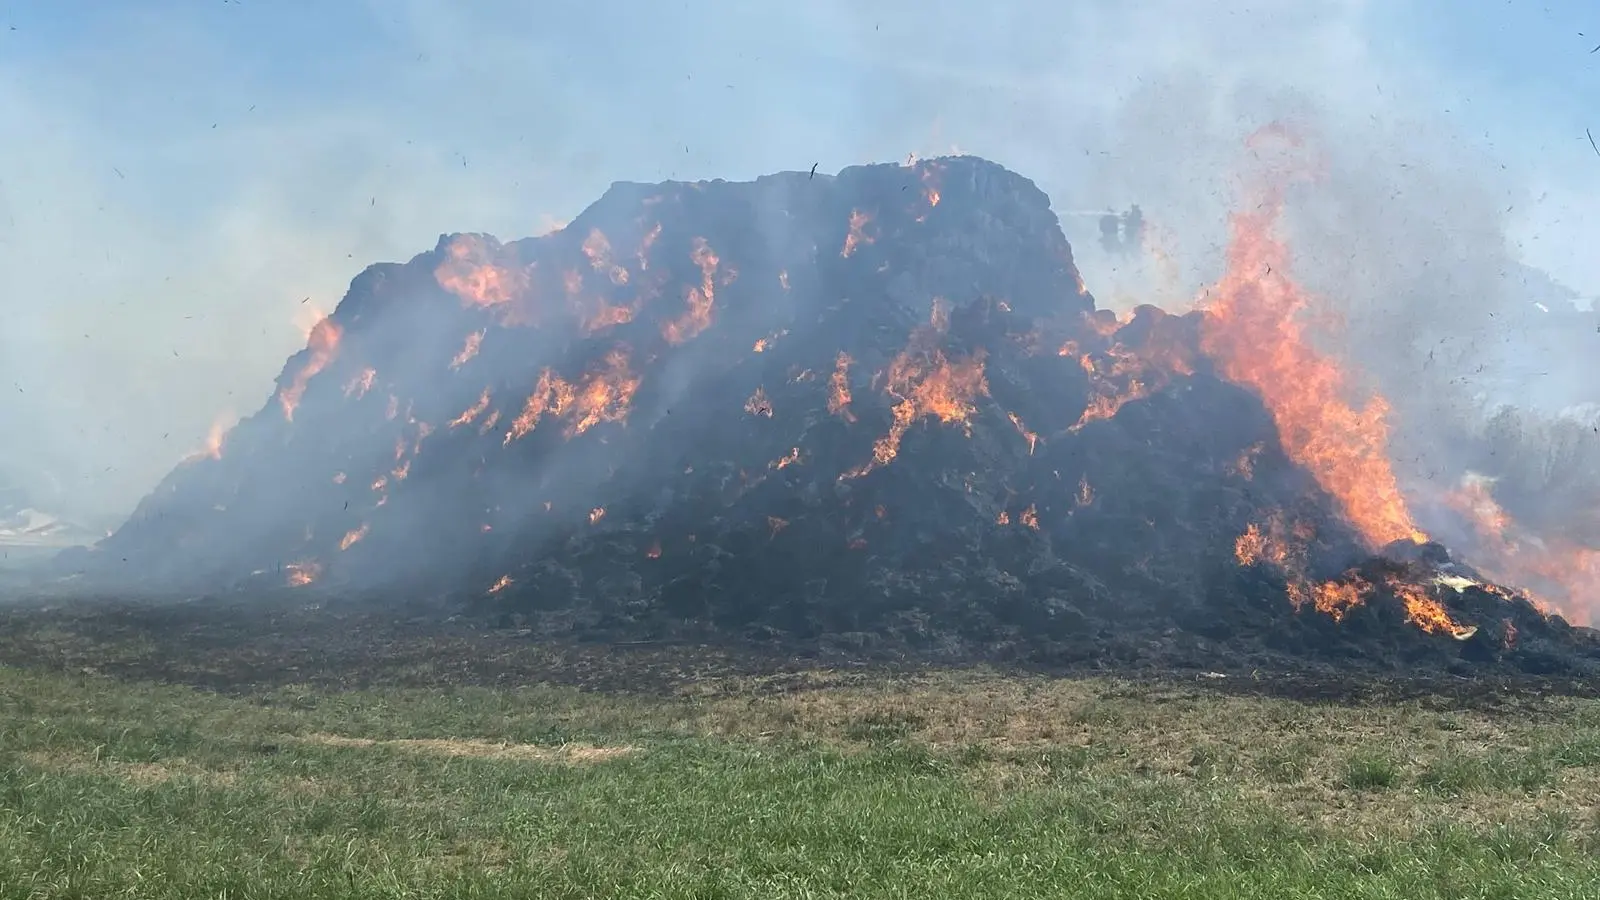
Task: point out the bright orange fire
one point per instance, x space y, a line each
1029 436
857 234
697 317
1254 333
469 350
839 389
471 272
604 395
1122 375
922 381
472 412
323 346
303 573
354 536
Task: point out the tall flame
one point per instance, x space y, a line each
1254 333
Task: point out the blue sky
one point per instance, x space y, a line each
176 177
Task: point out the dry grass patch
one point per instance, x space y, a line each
137 774
479 749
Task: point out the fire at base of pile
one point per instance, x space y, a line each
876 411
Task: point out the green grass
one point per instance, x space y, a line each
941 785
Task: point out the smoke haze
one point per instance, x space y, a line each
182 192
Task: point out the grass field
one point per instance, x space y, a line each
816 784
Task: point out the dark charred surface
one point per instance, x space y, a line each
1065 490
248 647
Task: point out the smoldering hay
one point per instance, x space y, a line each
877 408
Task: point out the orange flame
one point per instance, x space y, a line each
923 382
700 299
1030 517
1123 374
354 536
604 395
500 584
596 514
784 462
470 271
856 236
839 389
323 346
1030 437
472 412
1253 331
303 573
469 350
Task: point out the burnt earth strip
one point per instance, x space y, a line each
244 648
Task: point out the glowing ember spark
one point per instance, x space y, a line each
500 584
354 536
469 350
1253 331
856 236
339 478
321 347
472 412
655 550
596 514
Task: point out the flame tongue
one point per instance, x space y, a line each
1253 333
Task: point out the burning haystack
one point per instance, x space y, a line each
872 408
